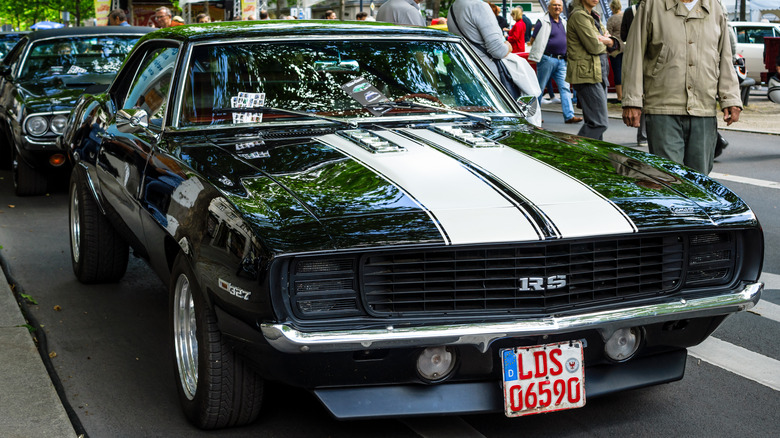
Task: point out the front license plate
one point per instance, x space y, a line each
543 378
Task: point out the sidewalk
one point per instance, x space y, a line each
760 116
29 404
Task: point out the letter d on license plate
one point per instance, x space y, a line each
543 378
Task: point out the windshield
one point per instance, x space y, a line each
77 56
336 78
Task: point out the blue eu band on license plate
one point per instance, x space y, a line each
543 378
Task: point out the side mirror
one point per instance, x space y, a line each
132 121
5 70
528 105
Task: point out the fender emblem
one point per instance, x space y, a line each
234 290
682 209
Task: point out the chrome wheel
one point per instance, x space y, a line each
185 337
75 224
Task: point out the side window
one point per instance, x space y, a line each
741 35
150 86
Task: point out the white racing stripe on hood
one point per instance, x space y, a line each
575 209
466 208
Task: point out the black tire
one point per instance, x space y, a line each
216 388
98 253
28 181
6 150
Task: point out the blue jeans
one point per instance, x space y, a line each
556 68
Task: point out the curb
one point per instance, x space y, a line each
30 405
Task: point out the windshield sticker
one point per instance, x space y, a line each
76 70
366 94
247 100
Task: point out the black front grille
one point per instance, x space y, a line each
530 278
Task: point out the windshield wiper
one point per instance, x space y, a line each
270 109
482 120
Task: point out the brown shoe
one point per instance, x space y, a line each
574 119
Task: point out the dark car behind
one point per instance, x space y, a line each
41 79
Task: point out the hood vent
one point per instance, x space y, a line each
471 139
371 142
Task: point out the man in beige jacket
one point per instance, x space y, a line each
677 65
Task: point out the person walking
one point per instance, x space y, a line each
502 23
677 65
548 50
163 18
616 56
516 35
476 23
117 17
401 12
625 26
587 43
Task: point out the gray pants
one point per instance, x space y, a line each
593 99
687 140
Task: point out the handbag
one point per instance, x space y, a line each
503 73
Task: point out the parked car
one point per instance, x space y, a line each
361 210
750 44
8 40
40 81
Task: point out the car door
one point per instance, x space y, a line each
124 154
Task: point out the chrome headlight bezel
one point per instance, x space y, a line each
57 123
36 125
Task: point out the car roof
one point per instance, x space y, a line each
230 30
90 30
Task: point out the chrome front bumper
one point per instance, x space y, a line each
288 340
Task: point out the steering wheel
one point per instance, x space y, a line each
425 96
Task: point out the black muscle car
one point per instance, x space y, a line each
41 79
362 211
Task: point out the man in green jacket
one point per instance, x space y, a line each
677 65
587 43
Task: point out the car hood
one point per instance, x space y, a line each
520 184
45 96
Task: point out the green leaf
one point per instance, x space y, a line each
29 299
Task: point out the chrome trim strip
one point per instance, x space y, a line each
288 340
31 140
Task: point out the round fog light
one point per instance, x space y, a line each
435 363
622 345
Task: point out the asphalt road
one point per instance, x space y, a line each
113 358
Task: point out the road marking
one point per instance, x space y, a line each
740 361
442 427
771 281
745 180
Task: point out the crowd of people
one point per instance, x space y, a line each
672 100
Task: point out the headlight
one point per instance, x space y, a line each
58 123
36 125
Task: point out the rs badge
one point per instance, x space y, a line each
234 290
542 283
